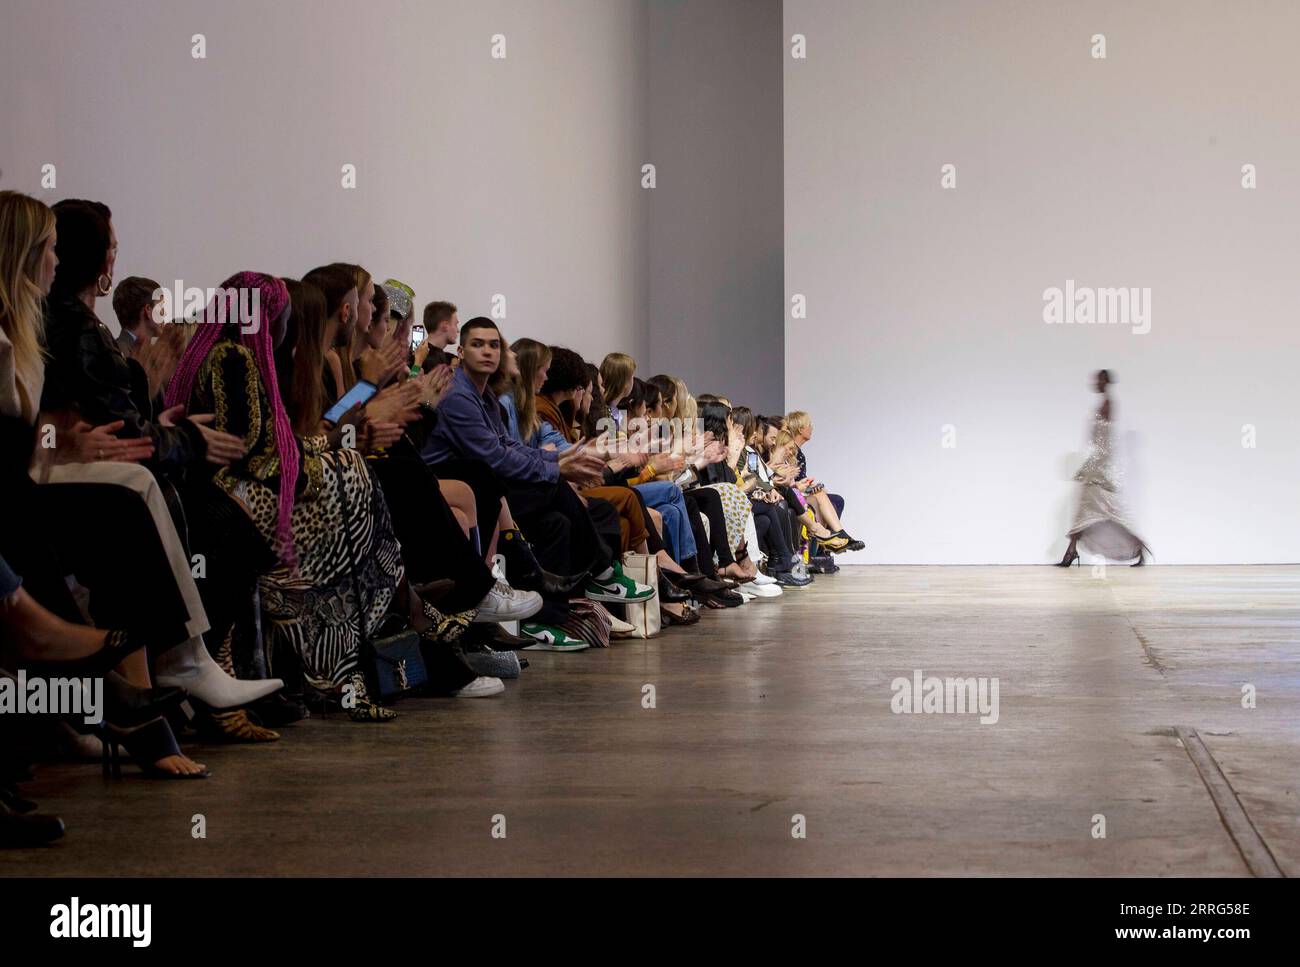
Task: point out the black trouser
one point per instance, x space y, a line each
487 486
772 522
105 535
433 545
237 555
708 501
559 528
604 517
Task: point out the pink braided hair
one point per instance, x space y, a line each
273 296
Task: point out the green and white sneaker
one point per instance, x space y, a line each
550 638
619 588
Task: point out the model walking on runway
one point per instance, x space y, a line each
1100 522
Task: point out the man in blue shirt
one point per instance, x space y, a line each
541 500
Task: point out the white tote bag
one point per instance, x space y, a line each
644 616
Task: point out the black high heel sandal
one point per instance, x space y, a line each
854 543
146 744
128 705
117 646
1070 558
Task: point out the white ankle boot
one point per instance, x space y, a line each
189 666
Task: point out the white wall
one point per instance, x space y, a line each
715 215
926 305
475 176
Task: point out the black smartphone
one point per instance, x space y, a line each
359 393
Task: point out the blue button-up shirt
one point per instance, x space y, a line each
470 427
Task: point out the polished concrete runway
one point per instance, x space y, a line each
1120 700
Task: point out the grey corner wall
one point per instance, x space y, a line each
716 219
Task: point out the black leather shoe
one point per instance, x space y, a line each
526 573
34 829
503 640
495 637
280 709
697 582
669 593
9 796
728 599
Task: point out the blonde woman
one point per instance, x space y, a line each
616 373
800 427
529 362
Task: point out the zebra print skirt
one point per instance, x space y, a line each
341 578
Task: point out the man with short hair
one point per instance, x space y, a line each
442 328
135 302
541 499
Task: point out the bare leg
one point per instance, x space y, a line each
668 564
459 498
657 519
42 635
504 522
821 503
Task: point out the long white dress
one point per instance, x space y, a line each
1101 523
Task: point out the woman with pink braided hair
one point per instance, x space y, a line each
318 510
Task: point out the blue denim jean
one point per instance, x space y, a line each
666 497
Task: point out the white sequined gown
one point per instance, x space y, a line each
1101 523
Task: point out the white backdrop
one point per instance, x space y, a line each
475 175
925 304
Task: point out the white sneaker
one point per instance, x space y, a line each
772 590
763 579
504 603
481 687
620 628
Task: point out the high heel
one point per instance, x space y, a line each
689 616
117 646
1070 558
364 709
833 543
854 543
128 705
146 744
191 667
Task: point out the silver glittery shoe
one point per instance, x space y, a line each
492 664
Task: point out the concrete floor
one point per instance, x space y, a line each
776 709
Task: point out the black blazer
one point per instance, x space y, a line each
86 372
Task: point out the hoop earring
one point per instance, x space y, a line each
102 287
